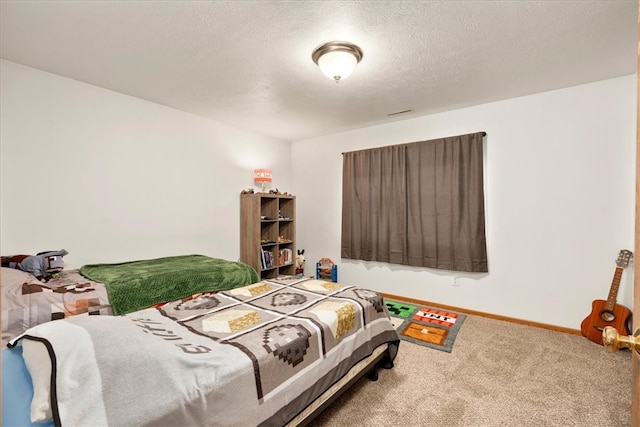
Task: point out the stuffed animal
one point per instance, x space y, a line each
43 265
300 262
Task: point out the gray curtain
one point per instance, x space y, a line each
418 204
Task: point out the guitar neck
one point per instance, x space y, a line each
613 292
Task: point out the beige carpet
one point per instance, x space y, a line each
498 374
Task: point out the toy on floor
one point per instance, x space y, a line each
43 266
300 260
326 270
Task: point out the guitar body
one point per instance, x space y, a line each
600 317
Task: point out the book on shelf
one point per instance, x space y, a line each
285 256
266 259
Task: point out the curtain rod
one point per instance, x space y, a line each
483 135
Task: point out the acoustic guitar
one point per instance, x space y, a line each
608 313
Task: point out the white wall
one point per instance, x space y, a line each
559 190
113 178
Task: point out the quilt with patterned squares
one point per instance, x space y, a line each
256 355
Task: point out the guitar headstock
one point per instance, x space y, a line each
624 257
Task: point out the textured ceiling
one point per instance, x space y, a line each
248 63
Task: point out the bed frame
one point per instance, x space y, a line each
367 366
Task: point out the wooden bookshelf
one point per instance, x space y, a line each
267 225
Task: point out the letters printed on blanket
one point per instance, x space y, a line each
251 355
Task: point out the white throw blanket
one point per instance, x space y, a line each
151 363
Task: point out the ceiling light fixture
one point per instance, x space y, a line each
337 60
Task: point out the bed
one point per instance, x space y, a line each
269 353
118 288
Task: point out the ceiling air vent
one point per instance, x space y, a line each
400 112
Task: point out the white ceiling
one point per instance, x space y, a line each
248 63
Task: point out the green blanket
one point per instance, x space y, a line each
136 285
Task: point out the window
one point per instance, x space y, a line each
418 204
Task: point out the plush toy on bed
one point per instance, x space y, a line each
43 265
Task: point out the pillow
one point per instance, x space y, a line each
38 363
10 277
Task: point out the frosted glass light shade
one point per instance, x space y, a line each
337 60
337 65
